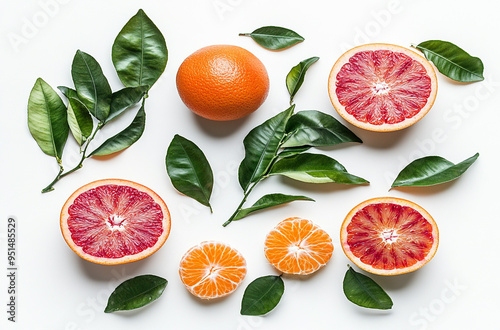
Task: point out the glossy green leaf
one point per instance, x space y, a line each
268 201
452 61
47 119
189 170
79 120
262 295
295 77
291 151
363 291
136 292
431 170
68 92
139 52
274 37
314 168
91 85
261 146
124 99
125 138
314 128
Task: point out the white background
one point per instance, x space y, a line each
58 290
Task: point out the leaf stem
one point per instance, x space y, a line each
238 209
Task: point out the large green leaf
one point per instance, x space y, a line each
189 170
431 170
274 37
314 128
124 99
295 77
267 201
262 295
139 52
91 85
314 168
136 292
452 61
261 145
47 119
125 138
363 291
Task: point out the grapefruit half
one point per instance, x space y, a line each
389 236
114 221
382 87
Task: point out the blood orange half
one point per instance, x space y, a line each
389 236
382 87
114 221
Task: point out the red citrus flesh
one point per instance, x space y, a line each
115 221
382 87
389 236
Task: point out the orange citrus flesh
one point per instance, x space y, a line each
114 221
382 87
222 82
298 246
389 236
211 270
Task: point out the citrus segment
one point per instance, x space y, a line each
222 82
114 221
211 270
382 87
389 236
298 246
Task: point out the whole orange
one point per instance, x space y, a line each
222 82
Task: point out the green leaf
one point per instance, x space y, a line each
314 128
262 295
314 168
268 201
79 120
452 61
68 92
363 291
139 52
189 170
124 99
136 292
125 138
47 119
91 85
295 77
291 151
274 37
431 170
261 146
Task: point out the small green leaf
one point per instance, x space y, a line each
124 99
295 77
189 170
291 151
47 119
79 120
452 61
314 128
262 295
136 292
314 168
125 138
91 85
139 52
363 291
261 146
274 37
431 170
268 201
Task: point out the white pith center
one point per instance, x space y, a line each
389 236
381 88
116 222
